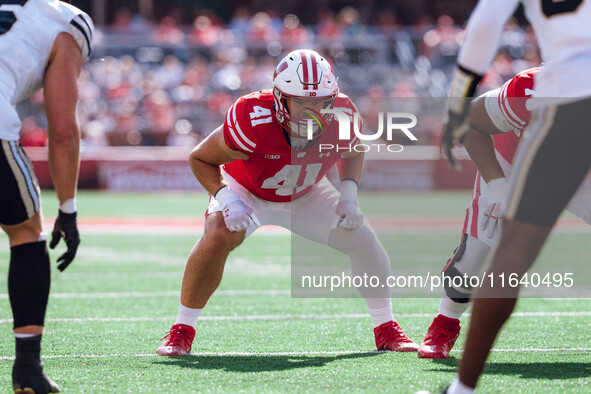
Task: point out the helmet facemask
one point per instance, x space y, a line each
303 118
304 85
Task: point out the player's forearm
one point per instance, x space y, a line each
481 149
351 167
207 157
64 162
208 175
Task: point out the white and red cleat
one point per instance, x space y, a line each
440 338
389 336
178 341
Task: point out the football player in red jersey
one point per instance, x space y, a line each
551 162
264 166
498 119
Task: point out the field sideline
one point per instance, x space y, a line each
109 310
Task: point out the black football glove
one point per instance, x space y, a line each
66 227
454 130
456 126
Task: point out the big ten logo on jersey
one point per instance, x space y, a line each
260 115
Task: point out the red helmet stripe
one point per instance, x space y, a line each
315 80
305 69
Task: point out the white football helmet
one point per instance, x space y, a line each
304 79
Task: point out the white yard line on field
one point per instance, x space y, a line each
286 317
176 293
143 294
316 353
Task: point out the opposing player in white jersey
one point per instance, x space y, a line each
498 119
261 168
552 159
43 45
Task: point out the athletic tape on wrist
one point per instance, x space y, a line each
497 190
224 196
349 189
69 206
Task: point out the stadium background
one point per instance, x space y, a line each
163 74
157 83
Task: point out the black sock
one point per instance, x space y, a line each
28 349
28 283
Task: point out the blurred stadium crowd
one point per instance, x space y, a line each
163 83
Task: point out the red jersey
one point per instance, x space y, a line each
274 171
513 114
512 103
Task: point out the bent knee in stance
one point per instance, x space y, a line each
31 230
217 236
355 241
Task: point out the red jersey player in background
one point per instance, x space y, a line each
552 159
504 113
261 167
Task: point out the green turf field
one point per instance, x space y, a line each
109 310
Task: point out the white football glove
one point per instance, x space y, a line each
237 215
347 208
497 193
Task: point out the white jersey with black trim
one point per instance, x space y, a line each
28 29
563 29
